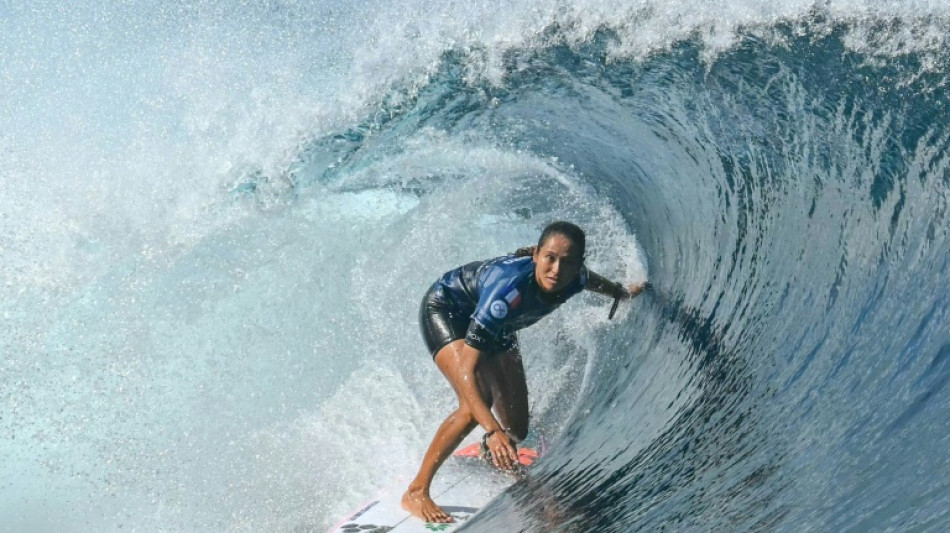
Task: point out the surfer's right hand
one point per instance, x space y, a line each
503 452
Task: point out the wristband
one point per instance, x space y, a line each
492 432
618 289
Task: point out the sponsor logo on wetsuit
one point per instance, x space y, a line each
499 309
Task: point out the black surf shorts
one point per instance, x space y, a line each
441 324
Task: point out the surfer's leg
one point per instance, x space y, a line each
453 429
506 377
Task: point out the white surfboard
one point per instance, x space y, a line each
462 487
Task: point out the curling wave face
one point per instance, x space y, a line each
188 345
789 371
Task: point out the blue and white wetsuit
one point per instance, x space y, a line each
486 302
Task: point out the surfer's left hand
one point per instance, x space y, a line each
634 289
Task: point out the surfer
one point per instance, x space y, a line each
469 318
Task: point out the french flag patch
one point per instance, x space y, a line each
513 299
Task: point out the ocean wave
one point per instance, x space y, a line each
199 289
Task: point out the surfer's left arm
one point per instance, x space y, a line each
596 282
614 289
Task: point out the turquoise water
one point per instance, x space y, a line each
218 220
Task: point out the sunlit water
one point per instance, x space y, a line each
217 222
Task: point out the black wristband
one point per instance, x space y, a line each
618 289
492 432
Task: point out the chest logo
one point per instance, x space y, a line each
498 309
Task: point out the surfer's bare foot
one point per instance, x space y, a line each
420 505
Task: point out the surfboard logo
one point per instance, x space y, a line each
498 309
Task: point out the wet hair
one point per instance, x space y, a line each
567 229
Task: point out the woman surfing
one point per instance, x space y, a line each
469 318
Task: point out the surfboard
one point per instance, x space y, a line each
462 487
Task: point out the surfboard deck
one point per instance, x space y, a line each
455 490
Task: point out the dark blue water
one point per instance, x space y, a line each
211 281
792 204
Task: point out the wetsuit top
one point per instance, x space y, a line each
501 296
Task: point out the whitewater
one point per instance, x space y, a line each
218 220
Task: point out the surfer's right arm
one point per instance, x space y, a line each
502 451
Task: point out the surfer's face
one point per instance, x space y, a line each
558 262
